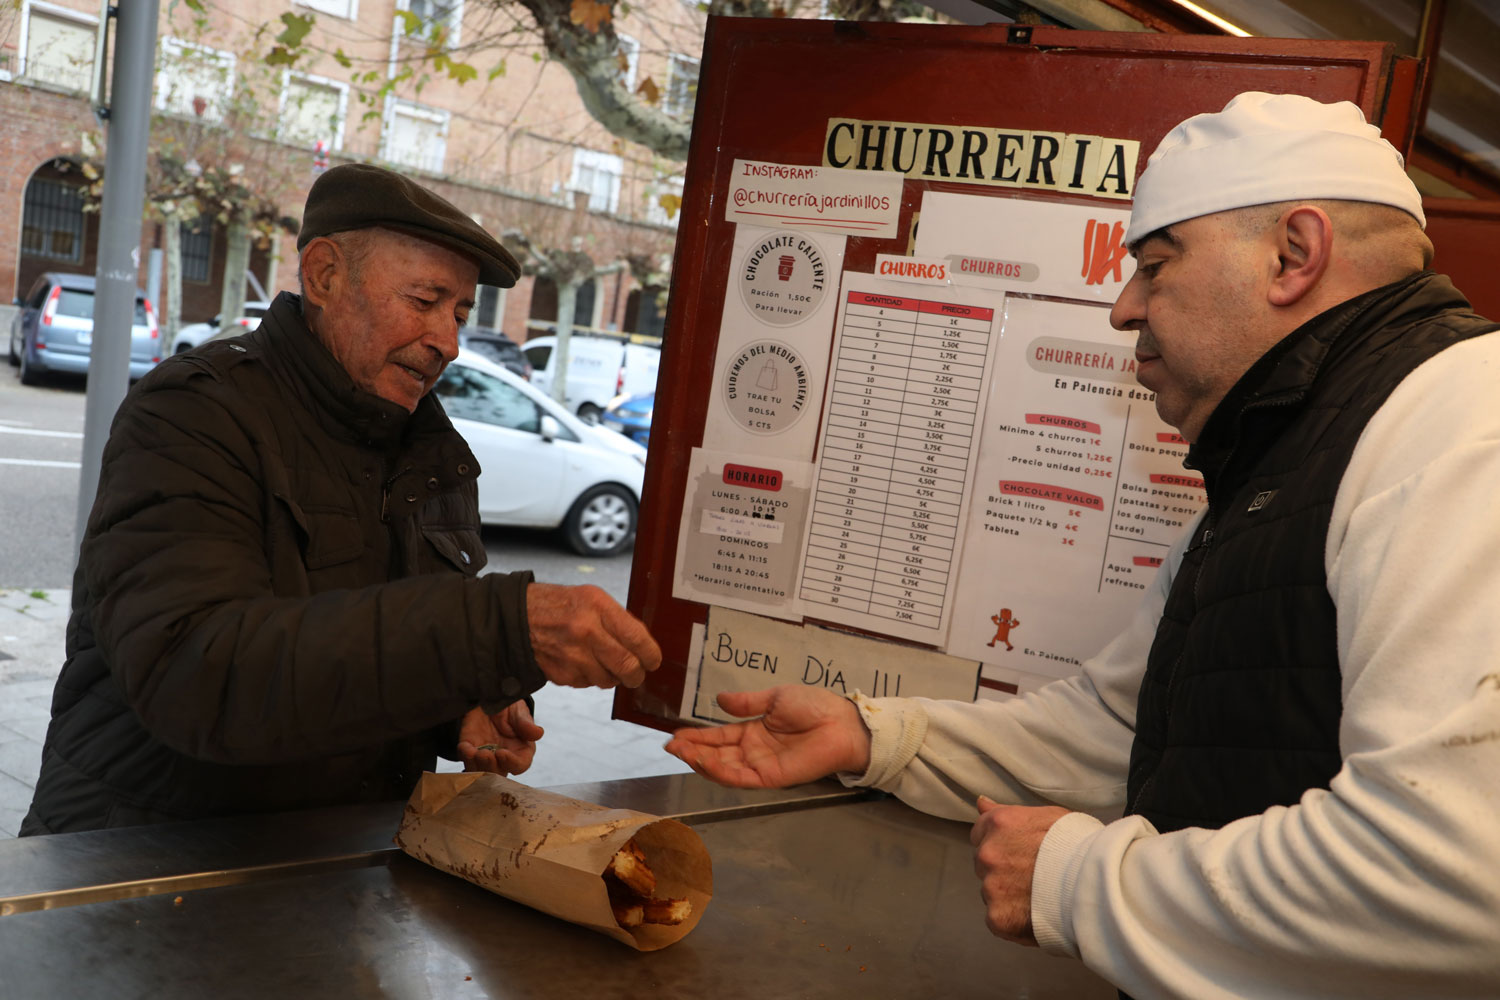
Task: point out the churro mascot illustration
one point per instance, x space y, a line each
1003 624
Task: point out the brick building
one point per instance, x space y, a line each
514 146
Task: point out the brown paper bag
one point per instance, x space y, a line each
550 852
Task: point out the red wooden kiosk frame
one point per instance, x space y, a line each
766 91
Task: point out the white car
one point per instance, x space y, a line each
599 369
540 466
194 334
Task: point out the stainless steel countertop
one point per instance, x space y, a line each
818 892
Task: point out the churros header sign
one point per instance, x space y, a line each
814 199
970 154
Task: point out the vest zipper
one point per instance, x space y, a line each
1209 520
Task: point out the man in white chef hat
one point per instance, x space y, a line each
1283 779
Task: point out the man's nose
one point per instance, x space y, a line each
442 336
1129 310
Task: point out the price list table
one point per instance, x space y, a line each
906 391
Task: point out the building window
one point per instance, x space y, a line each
630 58
416 136
60 50
439 19
313 109
52 221
682 86
599 175
197 250
488 307
347 9
193 80
584 301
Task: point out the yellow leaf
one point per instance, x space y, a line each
670 203
589 14
649 91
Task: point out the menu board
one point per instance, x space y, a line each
988 478
900 434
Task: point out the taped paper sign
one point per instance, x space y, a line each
743 652
772 357
814 198
739 543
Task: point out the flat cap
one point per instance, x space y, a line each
361 196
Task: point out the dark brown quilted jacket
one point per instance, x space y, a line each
276 604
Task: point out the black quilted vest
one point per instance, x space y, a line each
1239 709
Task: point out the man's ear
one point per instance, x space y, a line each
322 267
1304 247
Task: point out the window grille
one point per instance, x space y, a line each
197 250
52 221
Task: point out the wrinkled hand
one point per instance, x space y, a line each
583 638
802 734
1006 840
503 743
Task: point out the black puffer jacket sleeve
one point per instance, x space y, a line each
208 642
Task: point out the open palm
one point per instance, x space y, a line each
802 734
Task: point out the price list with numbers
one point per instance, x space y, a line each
900 431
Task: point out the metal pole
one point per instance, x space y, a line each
119 237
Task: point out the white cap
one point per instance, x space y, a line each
1265 148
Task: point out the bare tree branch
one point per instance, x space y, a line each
592 55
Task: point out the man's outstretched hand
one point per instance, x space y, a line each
504 743
803 734
582 637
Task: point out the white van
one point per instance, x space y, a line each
599 369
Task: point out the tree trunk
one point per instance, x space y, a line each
567 300
171 314
236 260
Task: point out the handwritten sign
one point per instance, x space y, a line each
744 652
817 199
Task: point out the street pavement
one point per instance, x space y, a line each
40 444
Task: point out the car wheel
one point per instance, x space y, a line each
601 522
182 347
589 413
29 374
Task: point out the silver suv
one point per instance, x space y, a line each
54 329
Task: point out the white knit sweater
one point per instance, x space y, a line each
1385 885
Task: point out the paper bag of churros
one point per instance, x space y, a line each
640 879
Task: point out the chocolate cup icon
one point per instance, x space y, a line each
784 268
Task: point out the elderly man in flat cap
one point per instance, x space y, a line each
1301 725
277 603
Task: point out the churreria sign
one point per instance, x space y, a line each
1054 161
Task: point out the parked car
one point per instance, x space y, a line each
53 330
194 334
497 347
539 465
599 369
631 416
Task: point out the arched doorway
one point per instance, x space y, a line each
56 233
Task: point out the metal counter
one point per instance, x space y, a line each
818 892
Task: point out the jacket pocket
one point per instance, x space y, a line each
328 536
461 547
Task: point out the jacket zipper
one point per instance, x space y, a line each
385 495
